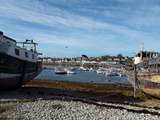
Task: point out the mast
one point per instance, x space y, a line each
142 46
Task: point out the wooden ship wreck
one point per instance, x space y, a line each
18 62
147 72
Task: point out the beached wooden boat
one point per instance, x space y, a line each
148 72
18 62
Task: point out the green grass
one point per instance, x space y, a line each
57 106
16 101
5 108
116 93
4 111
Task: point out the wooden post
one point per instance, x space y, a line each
135 80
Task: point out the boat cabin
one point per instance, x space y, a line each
145 55
21 50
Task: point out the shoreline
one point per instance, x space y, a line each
75 85
113 93
43 95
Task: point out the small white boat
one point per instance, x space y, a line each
122 75
91 69
72 68
60 70
82 68
101 71
70 72
111 74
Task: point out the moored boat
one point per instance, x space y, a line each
148 72
82 68
18 62
70 71
60 70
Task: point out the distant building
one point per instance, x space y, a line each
88 60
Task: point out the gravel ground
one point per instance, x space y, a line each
72 110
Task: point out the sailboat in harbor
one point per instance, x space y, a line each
18 62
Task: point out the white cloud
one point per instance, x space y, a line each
64 18
43 14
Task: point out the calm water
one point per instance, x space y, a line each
81 76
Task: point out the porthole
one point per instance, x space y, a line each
17 52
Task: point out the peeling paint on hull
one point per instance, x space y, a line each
150 84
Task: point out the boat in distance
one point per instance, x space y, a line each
19 62
61 70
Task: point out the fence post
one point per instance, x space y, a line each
135 80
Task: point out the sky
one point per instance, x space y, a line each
70 28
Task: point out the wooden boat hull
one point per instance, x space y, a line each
61 73
150 84
15 72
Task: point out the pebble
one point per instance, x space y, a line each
71 110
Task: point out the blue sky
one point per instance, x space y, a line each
92 27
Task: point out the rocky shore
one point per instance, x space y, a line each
72 110
82 102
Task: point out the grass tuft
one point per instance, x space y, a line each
57 106
5 108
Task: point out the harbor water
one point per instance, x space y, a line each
81 76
